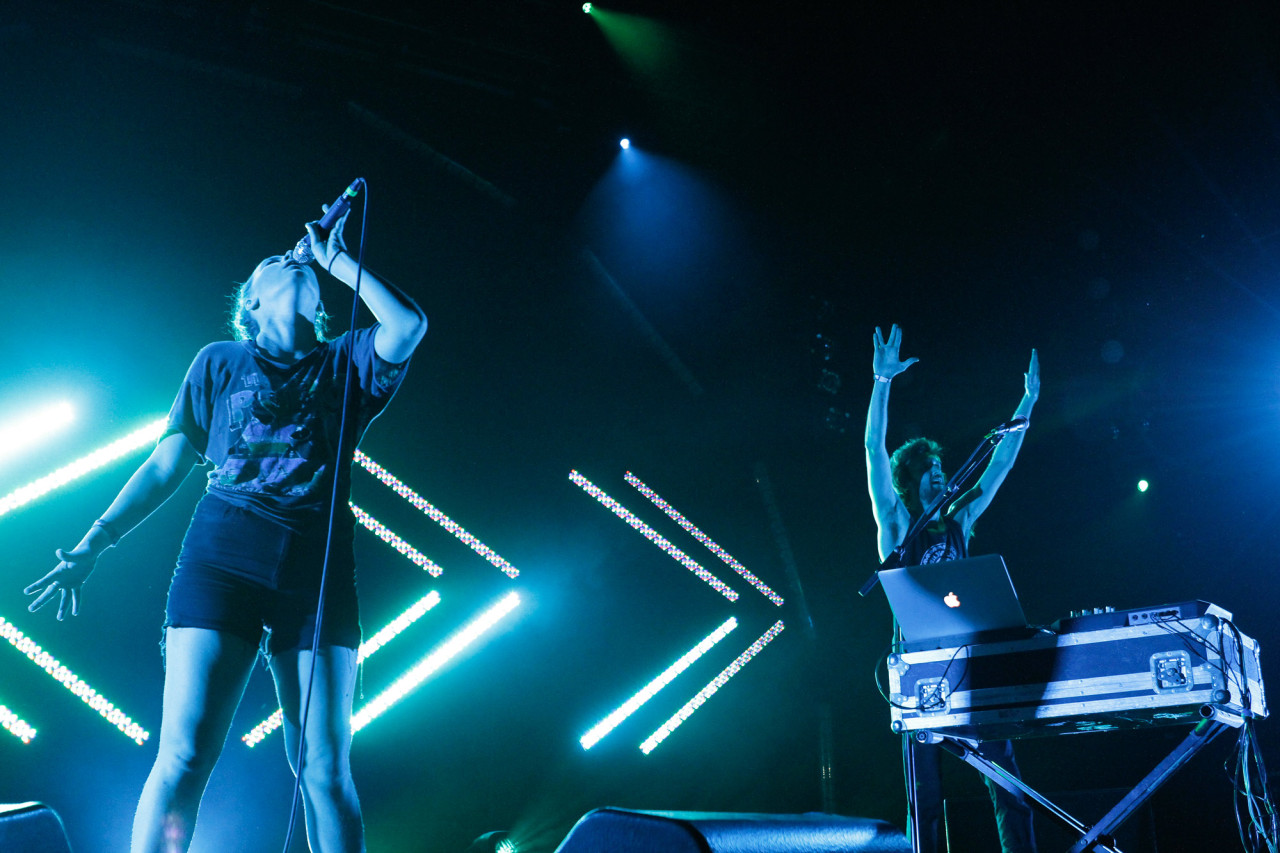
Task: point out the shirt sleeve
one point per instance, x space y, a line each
379 378
192 412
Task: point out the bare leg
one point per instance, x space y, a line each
205 675
332 809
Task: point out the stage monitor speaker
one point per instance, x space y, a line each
32 828
613 830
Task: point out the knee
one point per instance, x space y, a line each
326 771
179 761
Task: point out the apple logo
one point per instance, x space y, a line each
951 599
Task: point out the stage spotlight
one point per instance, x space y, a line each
1143 485
40 425
135 440
493 842
586 7
625 143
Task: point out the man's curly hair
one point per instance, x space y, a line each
908 464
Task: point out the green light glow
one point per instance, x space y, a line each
1143 485
68 679
39 426
629 707
256 735
432 662
139 438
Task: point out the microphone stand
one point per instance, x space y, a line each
980 454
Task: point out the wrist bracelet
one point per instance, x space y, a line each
108 529
880 378
329 269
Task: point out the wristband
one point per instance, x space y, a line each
880 378
329 269
108 529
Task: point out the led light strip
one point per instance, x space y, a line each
71 681
434 514
384 533
705 693
438 658
15 725
652 535
368 647
629 707
704 539
66 474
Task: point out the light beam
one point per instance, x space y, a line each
705 693
434 514
626 709
72 682
688 525
652 535
148 434
393 628
442 654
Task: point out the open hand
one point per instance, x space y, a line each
886 362
68 576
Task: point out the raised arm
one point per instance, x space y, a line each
401 322
890 513
975 501
151 485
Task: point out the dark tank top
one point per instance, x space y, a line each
934 546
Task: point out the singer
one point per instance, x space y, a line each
264 412
901 487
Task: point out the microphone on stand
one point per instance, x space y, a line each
302 252
1015 425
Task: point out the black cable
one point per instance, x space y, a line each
933 699
333 509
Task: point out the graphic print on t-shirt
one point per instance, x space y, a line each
940 552
278 431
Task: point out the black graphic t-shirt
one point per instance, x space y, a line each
270 429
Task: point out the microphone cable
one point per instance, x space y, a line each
333 508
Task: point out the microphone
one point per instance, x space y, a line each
1015 425
302 252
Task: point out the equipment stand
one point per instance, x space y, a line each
1098 837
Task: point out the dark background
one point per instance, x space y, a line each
1100 183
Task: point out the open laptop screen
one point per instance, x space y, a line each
938 605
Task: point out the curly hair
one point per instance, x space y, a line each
244 328
908 464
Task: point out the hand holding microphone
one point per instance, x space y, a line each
326 234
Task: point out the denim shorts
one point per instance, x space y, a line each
244 574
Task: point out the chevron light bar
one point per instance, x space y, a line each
652 535
626 709
256 735
139 438
39 426
384 533
72 682
688 525
15 725
438 658
705 693
434 514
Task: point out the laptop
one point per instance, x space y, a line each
940 605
